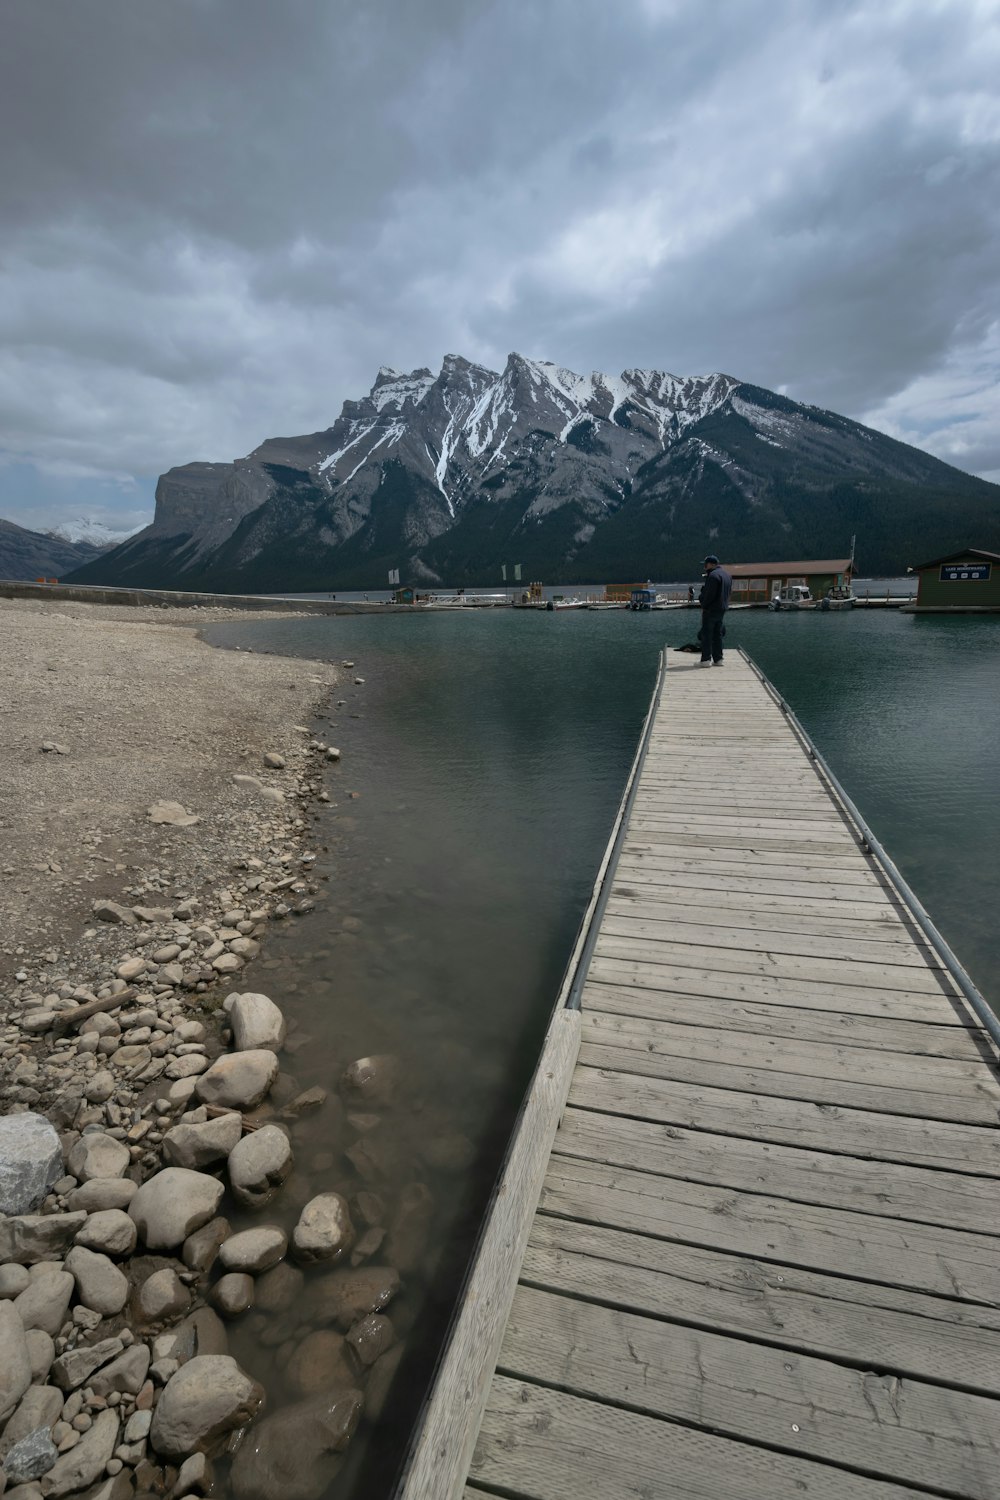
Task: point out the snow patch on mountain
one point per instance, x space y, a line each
91 531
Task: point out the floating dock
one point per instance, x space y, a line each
746 1244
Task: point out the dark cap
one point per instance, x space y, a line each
711 558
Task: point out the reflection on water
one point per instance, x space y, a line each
486 765
486 753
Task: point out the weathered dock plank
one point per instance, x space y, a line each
765 1259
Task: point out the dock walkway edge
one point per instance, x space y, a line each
437 1463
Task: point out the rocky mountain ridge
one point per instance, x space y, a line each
26 555
577 477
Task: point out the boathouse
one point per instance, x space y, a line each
756 583
966 582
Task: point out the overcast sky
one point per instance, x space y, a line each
219 217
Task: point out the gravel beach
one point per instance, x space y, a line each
155 800
144 712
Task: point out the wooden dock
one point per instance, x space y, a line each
765 1258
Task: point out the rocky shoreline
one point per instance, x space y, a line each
151 1100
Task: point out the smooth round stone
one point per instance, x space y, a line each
259 1164
173 1204
232 1294
162 1296
324 1231
256 1021
208 1396
110 1231
97 1155
102 1193
254 1250
13 1281
239 1080
99 1283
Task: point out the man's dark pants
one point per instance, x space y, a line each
711 635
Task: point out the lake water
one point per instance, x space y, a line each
488 751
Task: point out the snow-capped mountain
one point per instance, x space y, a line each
574 476
91 531
26 555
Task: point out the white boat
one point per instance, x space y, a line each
838 597
793 596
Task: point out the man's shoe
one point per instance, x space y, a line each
719 663
705 663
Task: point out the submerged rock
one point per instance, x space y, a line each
278 1290
322 1362
371 1080
324 1231
349 1295
294 1453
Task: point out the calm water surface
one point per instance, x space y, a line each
489 750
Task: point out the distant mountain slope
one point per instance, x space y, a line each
575 477
26 555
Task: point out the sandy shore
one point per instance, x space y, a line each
146 711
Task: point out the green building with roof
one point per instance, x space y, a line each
963 582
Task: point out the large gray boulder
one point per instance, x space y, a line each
207 1398
30 1161
238 1080
295 1452
15 1366
259 1164
256 1022
168 1207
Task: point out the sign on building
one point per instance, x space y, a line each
965 572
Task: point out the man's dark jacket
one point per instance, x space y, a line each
715 592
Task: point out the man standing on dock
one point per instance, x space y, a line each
714 601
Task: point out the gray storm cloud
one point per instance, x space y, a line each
219 217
